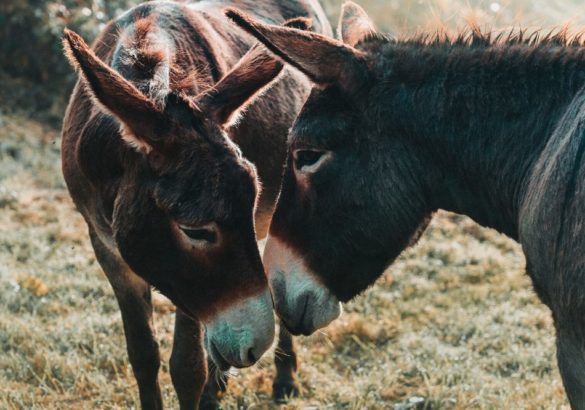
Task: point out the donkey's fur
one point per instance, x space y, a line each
486 126
169 182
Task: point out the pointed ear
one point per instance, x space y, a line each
142 121
322 59
354 24
249 78
237 89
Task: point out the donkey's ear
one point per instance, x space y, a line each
251 76
142 121
354 24
324 60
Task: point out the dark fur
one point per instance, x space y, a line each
147 148
490 127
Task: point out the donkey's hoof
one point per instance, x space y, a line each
283 390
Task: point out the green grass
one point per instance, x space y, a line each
454 324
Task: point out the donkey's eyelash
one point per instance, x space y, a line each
200 234
309 160
307 157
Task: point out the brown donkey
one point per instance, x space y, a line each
168 179
493 128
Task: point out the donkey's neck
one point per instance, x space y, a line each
482 116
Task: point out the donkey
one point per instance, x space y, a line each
492 127
168 180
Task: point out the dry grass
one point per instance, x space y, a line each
453 324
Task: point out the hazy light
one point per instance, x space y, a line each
495 7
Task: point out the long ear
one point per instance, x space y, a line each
354 24
246 80
322 59
141 119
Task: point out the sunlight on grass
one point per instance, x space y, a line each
453 324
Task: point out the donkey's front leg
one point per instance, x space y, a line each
285 359
188 365
134 299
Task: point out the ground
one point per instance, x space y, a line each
453 324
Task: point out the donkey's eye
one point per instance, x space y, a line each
308 160
202 235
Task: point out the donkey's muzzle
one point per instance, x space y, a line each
302 302
240 335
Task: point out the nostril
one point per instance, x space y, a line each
251 356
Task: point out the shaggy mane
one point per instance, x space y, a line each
474 37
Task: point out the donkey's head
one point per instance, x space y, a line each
183 216
350 199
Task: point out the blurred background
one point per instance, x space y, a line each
453 324
35 76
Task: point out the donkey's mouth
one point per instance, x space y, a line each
217 358
299 328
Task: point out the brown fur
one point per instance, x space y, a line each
148 147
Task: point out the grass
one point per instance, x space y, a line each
453 324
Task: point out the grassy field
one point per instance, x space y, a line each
453 324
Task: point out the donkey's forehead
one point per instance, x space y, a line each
208 190
325 119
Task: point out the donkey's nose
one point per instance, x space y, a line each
250 353
249 356
242 333
252 357
303 303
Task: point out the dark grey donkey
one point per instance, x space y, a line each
493 128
